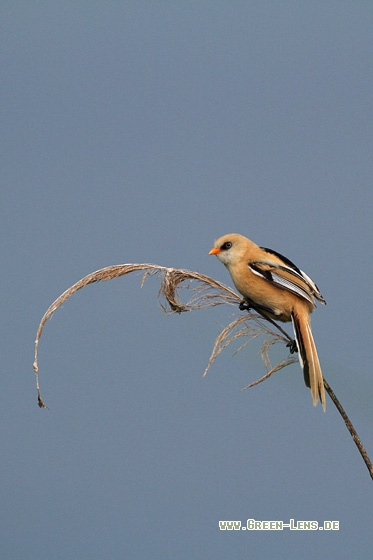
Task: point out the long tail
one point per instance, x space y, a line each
308 357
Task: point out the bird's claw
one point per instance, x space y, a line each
292 345
244 306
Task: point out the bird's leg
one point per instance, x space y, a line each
292 345
247 305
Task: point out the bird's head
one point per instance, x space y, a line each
230 248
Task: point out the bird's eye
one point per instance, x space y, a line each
227 245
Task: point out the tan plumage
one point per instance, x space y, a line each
278 289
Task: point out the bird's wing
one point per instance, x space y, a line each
286 265
287 276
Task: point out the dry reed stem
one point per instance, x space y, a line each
350 428
283 363
206 292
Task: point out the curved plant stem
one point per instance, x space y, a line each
350 428
205 292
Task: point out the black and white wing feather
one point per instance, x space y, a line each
286 275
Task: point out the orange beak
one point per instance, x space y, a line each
215 251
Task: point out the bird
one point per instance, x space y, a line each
275 287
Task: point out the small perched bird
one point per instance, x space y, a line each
279 290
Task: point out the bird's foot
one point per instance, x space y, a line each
244 305
292 345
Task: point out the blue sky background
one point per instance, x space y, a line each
140 132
